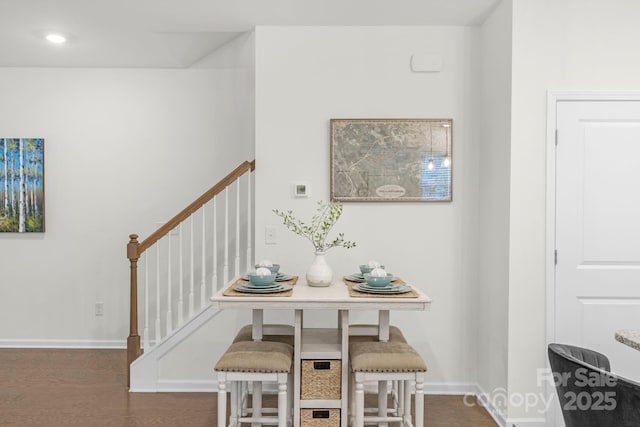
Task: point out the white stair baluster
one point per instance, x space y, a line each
204 258
214 277
191 275
158 323
226 235
236 265
249 234
169 299
180 279
145 334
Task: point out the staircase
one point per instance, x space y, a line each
177 268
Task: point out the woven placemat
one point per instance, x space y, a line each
231 292
354 293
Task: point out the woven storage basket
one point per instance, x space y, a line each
319 417
320 379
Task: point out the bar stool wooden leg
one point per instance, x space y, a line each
256 402
244 398
406 414
382 401
352 398
359 398
290 397
233 411
282 400
419 400
222 399
400 397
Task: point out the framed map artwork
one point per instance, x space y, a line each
391 160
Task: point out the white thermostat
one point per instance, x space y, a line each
301 189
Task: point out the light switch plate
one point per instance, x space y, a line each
270 236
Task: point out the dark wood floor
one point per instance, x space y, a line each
45 387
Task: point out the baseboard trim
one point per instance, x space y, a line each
450 388
177 386
80 344
496 414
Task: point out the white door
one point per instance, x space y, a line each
597 285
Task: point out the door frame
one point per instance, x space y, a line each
553 97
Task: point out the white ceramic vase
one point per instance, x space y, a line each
319 272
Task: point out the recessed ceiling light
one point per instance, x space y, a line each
55 38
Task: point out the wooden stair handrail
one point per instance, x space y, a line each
195 205
135 249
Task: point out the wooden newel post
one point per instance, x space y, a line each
133 341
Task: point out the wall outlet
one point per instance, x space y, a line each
270 237
99 309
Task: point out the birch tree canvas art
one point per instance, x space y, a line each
21 185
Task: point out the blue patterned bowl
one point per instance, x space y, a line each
378 281
261 280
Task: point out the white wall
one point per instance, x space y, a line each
233 117
493 186
307 75
123 149
557 45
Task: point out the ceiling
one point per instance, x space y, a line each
176 33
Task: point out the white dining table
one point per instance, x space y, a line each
630 337
317 342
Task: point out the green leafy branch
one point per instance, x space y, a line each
321 224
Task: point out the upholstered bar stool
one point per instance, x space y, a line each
370 333
364 332
382 362
255 361
272 332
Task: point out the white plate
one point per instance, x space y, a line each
393 289
261 289
252 286
389 287
356 278
280 277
